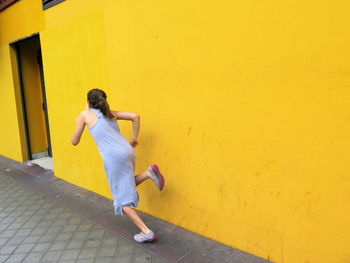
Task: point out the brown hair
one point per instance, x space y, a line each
98 100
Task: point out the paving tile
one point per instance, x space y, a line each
122 259
158 260
42 211
24 248
29 202
60 222
36 218
16 258
4 226
76 243
88 253
63 237
45 223
125 247
8 221
65 215
23 232
50 216
15 225
41 247
85 260
96 233
47 205
109 241
54 230
145 258
22 219
104 260
70 254
58 210
106 251
8 233
97 227
3 241
109 234
7 250
80 235
69 228
47 238
52 255
84 227
139 251
58 245
31 224
33 257
92 243
74 221
38 231
15 240
3 258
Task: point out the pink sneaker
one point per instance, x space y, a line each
157 177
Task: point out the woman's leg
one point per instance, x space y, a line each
142 177
135 218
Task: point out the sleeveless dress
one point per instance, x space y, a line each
118 159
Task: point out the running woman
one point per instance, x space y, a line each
118 156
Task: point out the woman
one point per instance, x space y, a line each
118 156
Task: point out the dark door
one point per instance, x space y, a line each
32 85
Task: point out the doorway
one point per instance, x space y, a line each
33 96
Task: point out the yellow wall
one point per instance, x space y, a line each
244 106
10 145
21 19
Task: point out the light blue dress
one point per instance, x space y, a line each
118 159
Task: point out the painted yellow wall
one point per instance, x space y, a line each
21 19
244 106
10 145
80 65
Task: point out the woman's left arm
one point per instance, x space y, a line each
135 118
75 139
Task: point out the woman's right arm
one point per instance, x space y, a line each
80 122
135 118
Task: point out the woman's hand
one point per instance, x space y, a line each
133 143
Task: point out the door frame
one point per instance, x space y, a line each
15 45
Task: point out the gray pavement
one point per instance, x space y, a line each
35 229
46 219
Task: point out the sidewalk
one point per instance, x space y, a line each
45 219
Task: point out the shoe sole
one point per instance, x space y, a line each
160 176
147 240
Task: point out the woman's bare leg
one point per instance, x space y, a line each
135 218
142 177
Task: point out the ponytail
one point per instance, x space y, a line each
104 108
98 100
